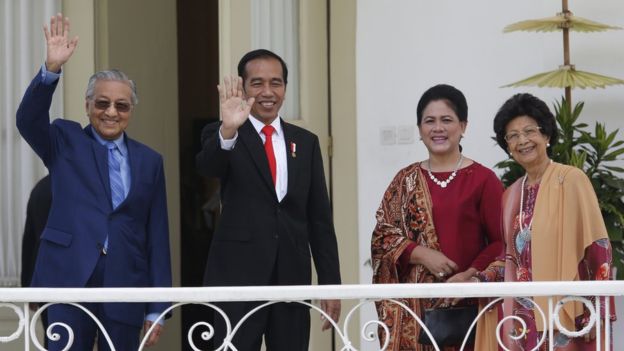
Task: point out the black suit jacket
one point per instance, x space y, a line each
260 241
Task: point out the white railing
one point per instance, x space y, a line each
18 300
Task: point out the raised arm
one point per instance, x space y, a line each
33 120
219 138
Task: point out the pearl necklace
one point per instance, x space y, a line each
444 183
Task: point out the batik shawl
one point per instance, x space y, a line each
403 216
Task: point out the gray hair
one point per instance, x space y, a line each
114 75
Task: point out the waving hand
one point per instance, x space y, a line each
234 107
58 45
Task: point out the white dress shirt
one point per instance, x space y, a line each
279 148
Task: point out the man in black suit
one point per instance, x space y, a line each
275 208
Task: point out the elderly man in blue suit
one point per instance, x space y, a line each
108 221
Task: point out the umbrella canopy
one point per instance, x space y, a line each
567 76
558 22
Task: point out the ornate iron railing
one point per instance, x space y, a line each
18 299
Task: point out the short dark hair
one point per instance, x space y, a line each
525 104
453 98
260 54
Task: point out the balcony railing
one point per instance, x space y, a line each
18 299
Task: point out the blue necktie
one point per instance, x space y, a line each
114 174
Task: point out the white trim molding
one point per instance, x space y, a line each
18 300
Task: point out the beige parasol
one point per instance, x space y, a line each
560 21
566 76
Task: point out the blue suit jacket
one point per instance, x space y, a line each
81 216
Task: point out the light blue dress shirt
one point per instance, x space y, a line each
125 165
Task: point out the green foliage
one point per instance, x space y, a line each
593 152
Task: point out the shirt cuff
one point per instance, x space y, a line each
227 144
153 316
47 77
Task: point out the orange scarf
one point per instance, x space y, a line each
567 220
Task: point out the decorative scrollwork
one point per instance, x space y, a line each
21 322
372 334
592 316
231 332
524 331
56 336
206 335
367 332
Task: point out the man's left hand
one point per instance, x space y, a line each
332 308
155 335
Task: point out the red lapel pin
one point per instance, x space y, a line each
293 149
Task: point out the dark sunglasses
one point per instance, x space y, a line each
119 106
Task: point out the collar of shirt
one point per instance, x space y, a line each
121 145
277 124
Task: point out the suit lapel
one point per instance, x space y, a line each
290 139
100 155
250 138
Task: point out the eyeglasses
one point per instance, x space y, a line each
120 106
528 132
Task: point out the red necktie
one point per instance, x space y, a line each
268 148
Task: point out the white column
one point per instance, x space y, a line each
275 26
22 51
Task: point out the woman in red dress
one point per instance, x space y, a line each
439 219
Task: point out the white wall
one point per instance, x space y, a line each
406 46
